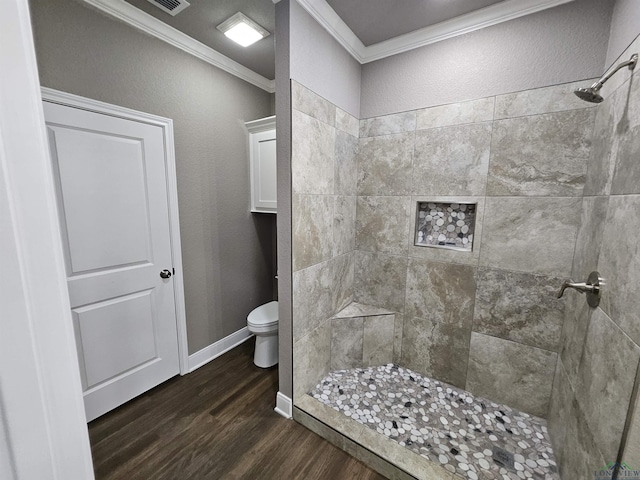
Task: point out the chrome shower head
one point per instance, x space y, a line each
591 94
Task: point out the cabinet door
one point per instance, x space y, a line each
263 172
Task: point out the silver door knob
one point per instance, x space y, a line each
165 273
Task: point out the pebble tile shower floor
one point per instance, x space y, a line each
441 422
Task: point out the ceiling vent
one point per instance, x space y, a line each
172 7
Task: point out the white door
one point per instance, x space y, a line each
113 204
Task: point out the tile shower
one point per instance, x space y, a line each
481 327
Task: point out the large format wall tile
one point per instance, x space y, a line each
620 264
346 164
574 446
474 111
443 254
576 323
519 307
511 373
312 153
442 292
320 291
555 98
385 164
438 350
452 160
559 408
626 178
398 327
581 456
589 240
311 356
313 221
381 280
344 225
388 124
378 340
343 271
382 224
313 298
346 343
312 104
347 123
535 235
605 381
600 165
541 155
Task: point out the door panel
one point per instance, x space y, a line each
99 326
113 204
266 169
106 174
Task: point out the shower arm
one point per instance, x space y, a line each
631 63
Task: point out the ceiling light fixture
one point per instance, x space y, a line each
242 30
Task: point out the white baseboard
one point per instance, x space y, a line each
284 405
214 350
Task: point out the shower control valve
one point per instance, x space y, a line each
592 287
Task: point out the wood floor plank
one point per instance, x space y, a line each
216 423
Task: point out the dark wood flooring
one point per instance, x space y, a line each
215 423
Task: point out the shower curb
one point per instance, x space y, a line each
344 443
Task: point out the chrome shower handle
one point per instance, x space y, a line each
592 287
582 287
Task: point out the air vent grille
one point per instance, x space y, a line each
172 7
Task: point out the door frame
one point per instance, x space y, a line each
83 103
43 428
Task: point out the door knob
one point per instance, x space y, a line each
592 287
165 273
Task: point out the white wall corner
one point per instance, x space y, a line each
284 405
213 351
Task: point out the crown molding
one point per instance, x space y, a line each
150 25
485 17
327 17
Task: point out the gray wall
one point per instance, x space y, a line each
227 251
625 25
283 126
594 417
558 45
320 63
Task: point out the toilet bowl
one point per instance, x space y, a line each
263 323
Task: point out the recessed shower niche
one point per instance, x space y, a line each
445 225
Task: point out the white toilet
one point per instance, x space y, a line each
263 323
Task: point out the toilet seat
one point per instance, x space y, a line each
263 318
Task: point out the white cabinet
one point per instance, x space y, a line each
262 154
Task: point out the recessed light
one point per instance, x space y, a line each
242 30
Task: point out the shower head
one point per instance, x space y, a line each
591 94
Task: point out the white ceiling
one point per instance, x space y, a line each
368 29
374 21
200 20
